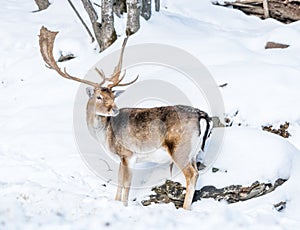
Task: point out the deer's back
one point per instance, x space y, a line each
146 129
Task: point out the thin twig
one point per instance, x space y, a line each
96 4
80 18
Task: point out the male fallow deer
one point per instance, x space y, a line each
131 132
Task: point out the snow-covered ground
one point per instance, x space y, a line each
44 183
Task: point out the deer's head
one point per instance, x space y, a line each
102 98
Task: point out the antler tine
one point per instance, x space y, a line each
129 83
46 42
102 75
115 78
123 84
117 82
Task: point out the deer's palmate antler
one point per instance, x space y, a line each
133 133
46 42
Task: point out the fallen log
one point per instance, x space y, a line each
286 11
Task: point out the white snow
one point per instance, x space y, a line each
45 184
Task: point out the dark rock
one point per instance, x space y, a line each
214 170
67 57
280 206
275 45
223 85
200 166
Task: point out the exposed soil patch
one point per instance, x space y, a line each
174 192
281 131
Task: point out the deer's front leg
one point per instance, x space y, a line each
120 183
127 176
124 180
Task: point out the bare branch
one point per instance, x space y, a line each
81 20
93 17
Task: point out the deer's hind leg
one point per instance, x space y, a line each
191 176
181 155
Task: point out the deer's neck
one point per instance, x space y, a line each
96 124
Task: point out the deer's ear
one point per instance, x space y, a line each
90 92
118 92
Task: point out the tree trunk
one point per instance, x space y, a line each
146 9
104 32
42 4
119 7
108 32
157 5
133 16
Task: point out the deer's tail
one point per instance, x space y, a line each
209 124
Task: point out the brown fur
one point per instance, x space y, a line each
130 131
135 131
